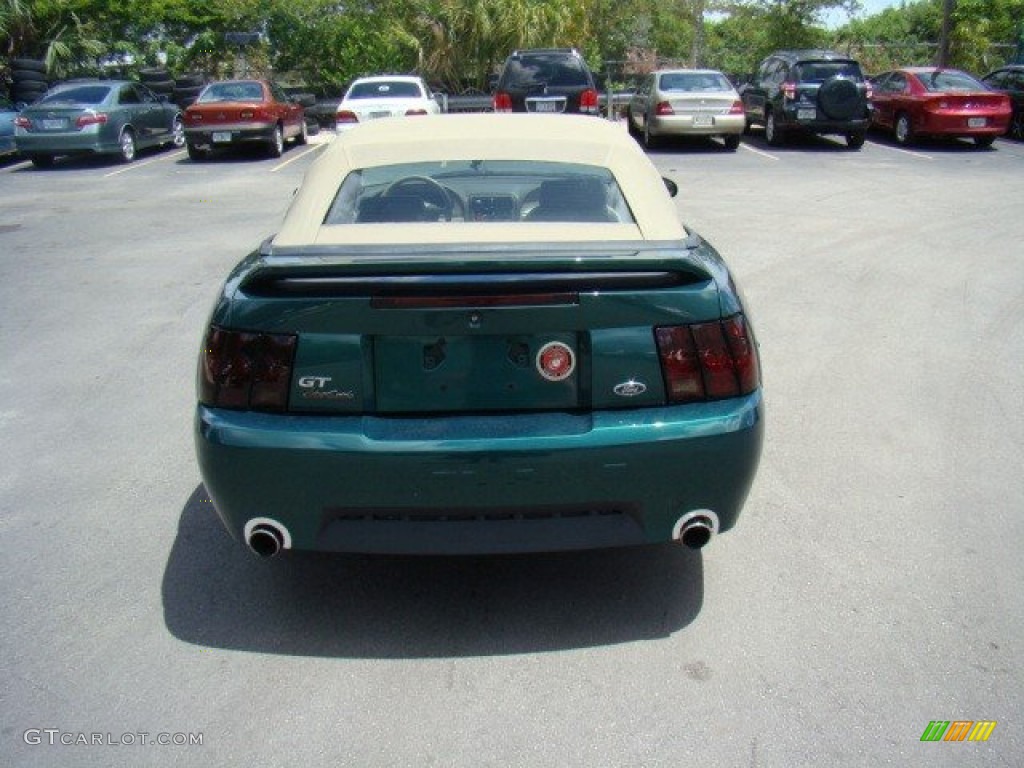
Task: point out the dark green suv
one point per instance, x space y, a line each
809 91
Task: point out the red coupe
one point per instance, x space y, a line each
234 112
929 101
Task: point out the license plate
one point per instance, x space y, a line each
476 372
976 122
545 106
703 121
53 125
806 114
377 115
222 137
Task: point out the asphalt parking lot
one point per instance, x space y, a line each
872 585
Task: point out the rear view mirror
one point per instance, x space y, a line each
671 186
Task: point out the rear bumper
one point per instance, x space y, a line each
819 126
683 125
66 144
959 125
235 133
480 484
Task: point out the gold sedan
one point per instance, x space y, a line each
686 102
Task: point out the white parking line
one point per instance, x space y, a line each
759 152
16 165
291 160
901 150
133 166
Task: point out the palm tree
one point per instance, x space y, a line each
58 37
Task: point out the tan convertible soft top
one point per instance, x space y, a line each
559 138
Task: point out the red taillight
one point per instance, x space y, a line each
22 122
789 90
736 108
502 102
415 112
708 361
346 116
743 353
259 114
245 370
90 118
664 108
679 364
588 101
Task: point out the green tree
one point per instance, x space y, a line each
328 46
982 36
461 42
51 30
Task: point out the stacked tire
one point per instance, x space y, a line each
187 88
28 80
158 80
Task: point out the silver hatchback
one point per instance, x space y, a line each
686 102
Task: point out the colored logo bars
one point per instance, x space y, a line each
958 730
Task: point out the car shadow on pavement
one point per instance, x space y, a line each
69 163
932 144
690 145
243 154
798 142
216 594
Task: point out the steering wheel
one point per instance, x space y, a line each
433 194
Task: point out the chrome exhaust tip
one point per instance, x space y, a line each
266 537
695 529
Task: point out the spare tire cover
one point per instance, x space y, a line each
840 99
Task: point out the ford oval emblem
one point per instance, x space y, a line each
630 388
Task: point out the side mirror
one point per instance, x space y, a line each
671 186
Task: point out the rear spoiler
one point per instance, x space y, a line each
378 270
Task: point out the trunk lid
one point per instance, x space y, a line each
536 332
59 117
373 109
221 113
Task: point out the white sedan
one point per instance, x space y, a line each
370 98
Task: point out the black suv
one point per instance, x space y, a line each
546 80
1010 80
811 91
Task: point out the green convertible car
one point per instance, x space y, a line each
479 334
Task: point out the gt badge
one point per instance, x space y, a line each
556 361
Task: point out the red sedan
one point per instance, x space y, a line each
928 101
235 112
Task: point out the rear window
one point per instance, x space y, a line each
539 70
85 94
693 81
479 191
391 89
949 81
820 71
231 92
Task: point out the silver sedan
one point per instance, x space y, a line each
686 102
